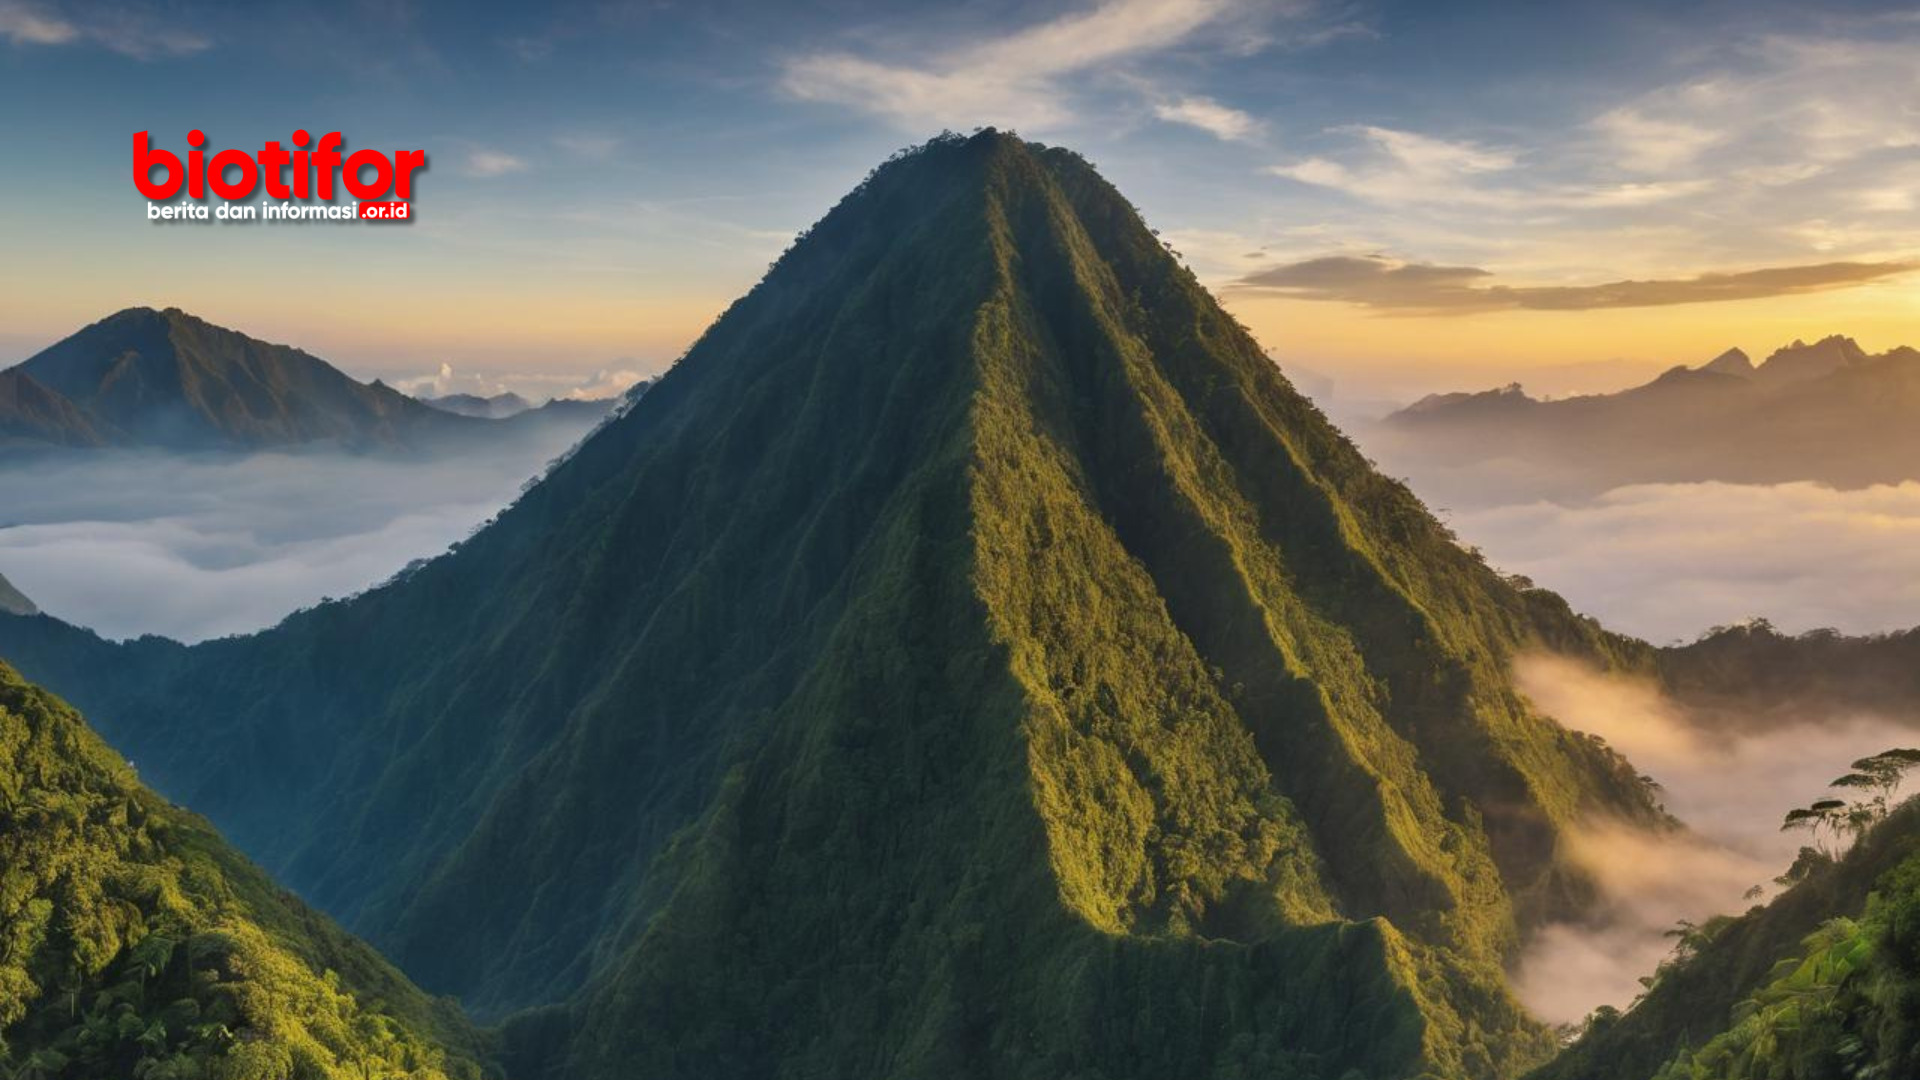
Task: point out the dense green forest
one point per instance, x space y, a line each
1752 675
134 943
973 658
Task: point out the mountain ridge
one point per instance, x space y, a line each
1828 412
496 407
164 379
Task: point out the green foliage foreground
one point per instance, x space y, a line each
135 944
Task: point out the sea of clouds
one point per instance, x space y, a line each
199 546
1668 561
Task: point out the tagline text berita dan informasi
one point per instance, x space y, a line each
298 184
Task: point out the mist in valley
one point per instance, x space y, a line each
1729 785
196 546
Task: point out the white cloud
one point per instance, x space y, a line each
484 162
128 30
1012 80
1396 168
207 545
605 383
448 381
587 145
25 24
1770 150
1647 144
1427 156
1221 121
1667 561
1898 200
536 386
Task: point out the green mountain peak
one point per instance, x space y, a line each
973 658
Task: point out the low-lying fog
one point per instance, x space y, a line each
1730 788
1667 561
199 546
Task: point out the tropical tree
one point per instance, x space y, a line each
1828 815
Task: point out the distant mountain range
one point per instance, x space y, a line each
167 380
497 407
1828 412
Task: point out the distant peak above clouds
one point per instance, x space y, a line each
1827 412
164 379
494 407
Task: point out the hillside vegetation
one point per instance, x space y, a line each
134 943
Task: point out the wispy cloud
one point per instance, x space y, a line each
587 144
1379 282
128 30
1221 121
1015 79
484 162
1399 168
1651 144
24 24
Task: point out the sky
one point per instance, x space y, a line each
1395 197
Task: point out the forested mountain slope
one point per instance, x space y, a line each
973 658
135 943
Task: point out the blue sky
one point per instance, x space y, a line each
1400 195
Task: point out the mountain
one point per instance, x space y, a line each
31 415
13 601
497 407
167 380
571 412
972 658
1827 412
1733 362
1801 362
134 942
